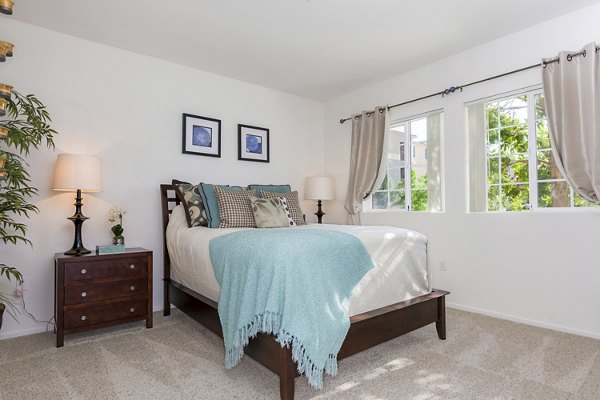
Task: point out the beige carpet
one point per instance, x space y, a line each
483 358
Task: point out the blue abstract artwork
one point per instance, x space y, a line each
202 136
254 144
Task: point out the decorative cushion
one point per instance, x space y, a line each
286 208
268 213
234 208
292 201
271 188
191 200
209 198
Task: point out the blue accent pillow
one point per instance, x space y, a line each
271 188
209 198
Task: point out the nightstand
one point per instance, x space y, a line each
95 291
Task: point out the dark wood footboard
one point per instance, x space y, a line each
366 330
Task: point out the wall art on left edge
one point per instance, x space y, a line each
201 136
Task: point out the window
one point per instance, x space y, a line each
521 173
408 143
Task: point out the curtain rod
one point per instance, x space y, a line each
453 89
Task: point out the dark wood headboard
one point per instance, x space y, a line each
168 201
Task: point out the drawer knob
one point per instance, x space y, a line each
131 266
83 271
132 288
131 309
83 294
83 317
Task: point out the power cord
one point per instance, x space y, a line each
49 322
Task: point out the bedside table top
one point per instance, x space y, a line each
128 251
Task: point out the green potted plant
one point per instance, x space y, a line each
25 128
116 214
6 301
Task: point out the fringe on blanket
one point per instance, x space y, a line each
270 323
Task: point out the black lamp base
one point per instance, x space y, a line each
78 218
319 212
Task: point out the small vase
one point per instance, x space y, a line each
119 240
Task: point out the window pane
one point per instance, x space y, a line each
515 169
581 202
419 200
418 179
514 139
554 194
515 197
379 200
546 166
491 111
513 111
540 106
494 198
398 199
493 170
542 134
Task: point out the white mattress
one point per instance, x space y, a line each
400 255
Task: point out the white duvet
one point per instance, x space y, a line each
400 255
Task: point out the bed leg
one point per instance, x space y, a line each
287 374
440 324
166 303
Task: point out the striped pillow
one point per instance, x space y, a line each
235 210
292 202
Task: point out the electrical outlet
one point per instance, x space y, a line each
443 266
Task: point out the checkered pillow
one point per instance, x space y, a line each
235 209
292 202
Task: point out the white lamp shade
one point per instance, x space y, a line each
75 171
319 188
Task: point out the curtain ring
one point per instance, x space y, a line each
569 57
584 53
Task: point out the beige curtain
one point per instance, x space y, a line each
572 91
477 168
367 158
434 162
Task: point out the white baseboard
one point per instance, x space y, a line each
525 321
42 328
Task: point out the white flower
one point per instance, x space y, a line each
116 213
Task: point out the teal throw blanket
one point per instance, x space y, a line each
292 283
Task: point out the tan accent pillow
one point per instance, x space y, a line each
293 204
268 213
234 208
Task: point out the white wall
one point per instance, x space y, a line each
537 267
126 108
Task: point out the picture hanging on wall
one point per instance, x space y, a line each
253 143
201 136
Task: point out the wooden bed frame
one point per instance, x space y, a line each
366 330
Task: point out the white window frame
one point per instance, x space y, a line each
533 182
368 204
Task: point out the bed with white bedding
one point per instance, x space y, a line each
394 297
400 257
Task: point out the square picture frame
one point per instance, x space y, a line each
253 143
201 136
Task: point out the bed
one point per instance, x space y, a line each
389 301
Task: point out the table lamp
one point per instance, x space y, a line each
74 172
319 188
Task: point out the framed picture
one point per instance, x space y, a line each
253 143
201 136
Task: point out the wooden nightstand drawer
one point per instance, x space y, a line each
96 314
126 267
99 290
90 292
